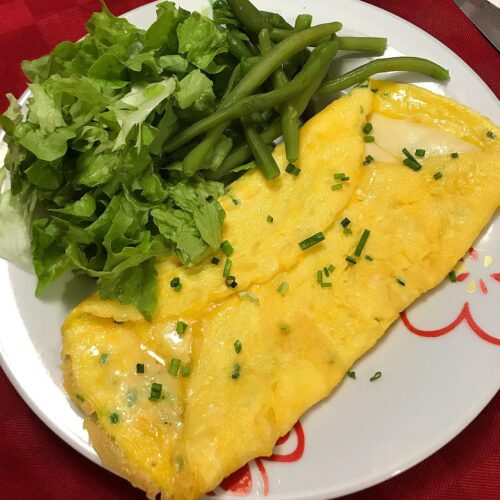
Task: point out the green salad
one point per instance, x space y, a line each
130 136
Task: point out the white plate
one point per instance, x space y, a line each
365 432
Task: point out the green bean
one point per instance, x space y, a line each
237 47
320 56
302 22
357 75
275 20
366 44
235 77
252 81
263 157
265 44
249 16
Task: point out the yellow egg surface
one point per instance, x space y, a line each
250 361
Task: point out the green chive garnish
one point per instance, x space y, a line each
420 153
155 391
401 281
438 175
345 222
215 261
312 240
326 272
345 178
368 257
368 127
369 138
80 398
331 268
114 417
226 247
236 371
351 374
375 376
227 267
285 328
270 219
454 155
347 230
375 90
361 243
339 175
175 364
180 328
104 358
490 134
411 161
292 169
351 260
326 284
319 276
453 276
283 288
185 371
336 186
176 284
237 346
139 368
368 160
231 282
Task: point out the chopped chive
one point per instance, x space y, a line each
345 178
215 261
175 364
368 160
420 153
114 418
80 398
339 175
369 138
331 268
367 128
375 376
283 288
438 175
319 276
368 257
351 260
285 328
237 346
345 222
490 134
227 267
336 186
270 219
401 281
351 374
139 368
155 392
249 295
176 284
292 169
180 327
414 165
375 90
326 272
312 240
454 155
347 230
104 358
452 275
230 282
236 371
185 371
326 284
411 161
361 243
226 247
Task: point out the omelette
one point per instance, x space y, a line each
324 262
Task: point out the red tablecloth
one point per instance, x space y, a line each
36 464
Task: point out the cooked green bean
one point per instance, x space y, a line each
357 75
320 57
363 43
237 47
302 22
249 16
263 157
275 20
252 81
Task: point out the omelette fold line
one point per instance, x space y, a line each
297 347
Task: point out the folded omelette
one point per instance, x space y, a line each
177 404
